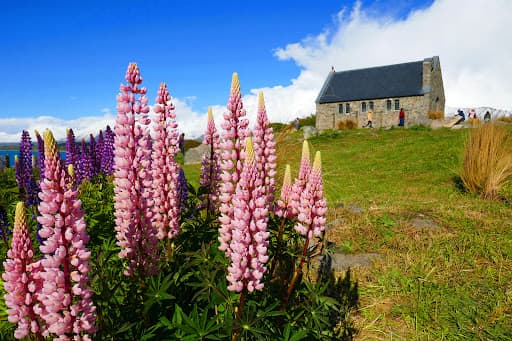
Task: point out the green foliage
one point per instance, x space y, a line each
308 120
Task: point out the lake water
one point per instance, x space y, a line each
11 154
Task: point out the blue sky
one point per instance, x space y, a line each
66 59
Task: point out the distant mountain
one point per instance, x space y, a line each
480 111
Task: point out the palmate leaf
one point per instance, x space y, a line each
158 291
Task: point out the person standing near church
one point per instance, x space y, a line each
369 116
401 118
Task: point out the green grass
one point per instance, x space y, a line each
453 281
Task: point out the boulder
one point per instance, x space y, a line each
195 155
309 132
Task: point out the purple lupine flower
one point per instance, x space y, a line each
300 182
210 167
233 136
265 149
283 208
99 150
85 169
182 190
165 168
95 162
313 206
133 179
65 299
40 147
23 167
249 240
19 282
107 152
72 149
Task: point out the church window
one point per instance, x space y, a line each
363 107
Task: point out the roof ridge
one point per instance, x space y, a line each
377 67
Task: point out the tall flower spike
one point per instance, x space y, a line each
265 149
210 168
300 182
233 137
40 147
249 235
19 280
66 299
313 206
95 162
283 208
23 168
85 170
165 168
133 181
107 152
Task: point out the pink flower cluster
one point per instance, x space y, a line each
313 206
165 168
249 242
210 166
233 137
133 179
265 149
19 277
66 299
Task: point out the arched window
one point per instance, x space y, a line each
370 105
340 108
347 108
397 104
363 107
388 104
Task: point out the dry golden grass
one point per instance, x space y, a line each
487 160
507 119
346 124
435 115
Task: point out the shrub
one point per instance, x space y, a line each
435 115
487 161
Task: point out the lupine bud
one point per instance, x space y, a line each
248 247
18 278
300 182
133 179
313 206
233 137
283 208
66 299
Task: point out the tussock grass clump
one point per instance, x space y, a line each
506 119
435 115
487 161
346 124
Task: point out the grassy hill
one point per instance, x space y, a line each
445 270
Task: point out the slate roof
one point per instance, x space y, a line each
399 80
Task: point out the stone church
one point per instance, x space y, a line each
417 87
